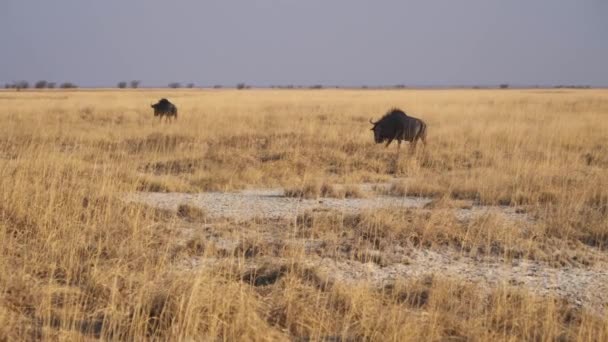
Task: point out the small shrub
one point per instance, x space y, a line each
18 85
175 85
40 84
135 84
241 86
122 84
68 85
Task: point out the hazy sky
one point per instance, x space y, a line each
344 42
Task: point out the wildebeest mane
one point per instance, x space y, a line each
391 112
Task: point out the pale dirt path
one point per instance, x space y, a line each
586 287
267 203
271 203
583 286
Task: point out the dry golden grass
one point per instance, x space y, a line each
78 262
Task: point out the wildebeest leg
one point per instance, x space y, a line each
390 140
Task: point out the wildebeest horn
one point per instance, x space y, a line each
370 121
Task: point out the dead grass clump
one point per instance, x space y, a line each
264 275
315 189
161 184
309 190
353 191
449 203
174 167
413 188
491 234
213 182
330 190
251 248
320 224
157 142
191 213
273 157
197 246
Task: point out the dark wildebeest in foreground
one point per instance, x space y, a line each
164 107
395 124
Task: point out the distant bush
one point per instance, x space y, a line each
40 84
175 85
67 85
400 86
122 84
135 84
18 85
316 86
572 86
217 86
50 85
190 85
504 86
241 86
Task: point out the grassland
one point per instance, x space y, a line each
77 261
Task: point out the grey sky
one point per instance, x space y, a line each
345 42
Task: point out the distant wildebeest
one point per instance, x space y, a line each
395 124
164 107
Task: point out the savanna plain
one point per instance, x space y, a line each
116 226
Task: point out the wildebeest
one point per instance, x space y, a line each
395 124
164 107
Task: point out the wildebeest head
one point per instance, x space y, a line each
378 138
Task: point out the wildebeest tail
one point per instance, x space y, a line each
422 132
